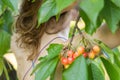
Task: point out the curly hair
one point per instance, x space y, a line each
26 26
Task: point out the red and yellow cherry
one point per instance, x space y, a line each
91 55
80 50
70 60
64 61
66 66
70 53
75 55
85 55
96 49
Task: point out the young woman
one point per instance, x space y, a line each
27 40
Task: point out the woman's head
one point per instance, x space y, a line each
26 26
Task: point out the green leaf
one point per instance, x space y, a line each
63 4
1 66
8 3
4 42
6 21
108 52
91 9
116 51
112 70
97 72
90 77
116 2
88 26
111 15
47 10
46 69
6 72
116 60
53 51
77 70
51 8
15 4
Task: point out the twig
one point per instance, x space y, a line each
74 30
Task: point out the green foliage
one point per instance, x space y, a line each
51 8
96 72
91 9
117 60
4 42
46 69
81 68
76 71
1 66
6 21
116 2
7 8
111 14
95 11
48 64
112 70
12 4
8 3
54 50
107 51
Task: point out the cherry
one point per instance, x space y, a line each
80 50
66 66
96 49
85 54
70 53
70 60
64 61
75 55
92 55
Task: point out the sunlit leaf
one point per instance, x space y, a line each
48 63
46 69
51 8
54 50
15 4
77 71
8 3
111 15
1 66
6 72
116 60
4 42
107 51
91 9
63 4
97 73
112 70
116 2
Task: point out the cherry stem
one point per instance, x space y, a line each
74 30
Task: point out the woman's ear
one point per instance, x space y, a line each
53 26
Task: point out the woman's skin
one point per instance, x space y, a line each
105 35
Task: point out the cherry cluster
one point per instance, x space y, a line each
72 55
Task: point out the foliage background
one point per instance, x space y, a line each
93 12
